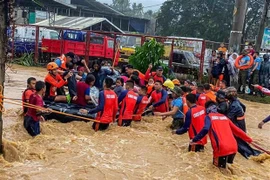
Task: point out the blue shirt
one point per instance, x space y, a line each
178 103
258 60
83 77
246 60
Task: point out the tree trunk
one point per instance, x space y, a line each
3 57
239 15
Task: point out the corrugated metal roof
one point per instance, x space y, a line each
77 22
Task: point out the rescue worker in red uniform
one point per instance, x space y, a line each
107 107
194 123
83 90
201 97
54 82
141 104
221 132
31 89
158 75
127 101
159 99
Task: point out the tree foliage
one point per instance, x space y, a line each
135 9
150 52
208 19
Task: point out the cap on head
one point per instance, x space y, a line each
177 90
193 83
221 94
52 66
159 68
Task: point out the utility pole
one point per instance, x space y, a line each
4 4
262 25
239 15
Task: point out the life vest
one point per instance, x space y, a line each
81 88
221 135
202 99
159 78
197 123
238 60
24 99
185 106
63 62
156 97
52 84
139 108
109 111
150 89
127 107
211 96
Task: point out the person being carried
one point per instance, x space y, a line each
127 101
83 90
158 75
194 123
54 82
177 109
107 107
150 86
221 132
141 104
119 86
159 99
32 117
31 85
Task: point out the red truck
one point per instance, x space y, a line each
100 47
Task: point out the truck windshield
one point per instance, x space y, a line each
53 35
110 43
191 58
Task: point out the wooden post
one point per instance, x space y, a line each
36 44
3 56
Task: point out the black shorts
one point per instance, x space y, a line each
49 98
126 122
196 148
100 126
177 123
31 126
222 160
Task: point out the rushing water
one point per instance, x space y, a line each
147 150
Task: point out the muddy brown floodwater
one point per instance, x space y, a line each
147 150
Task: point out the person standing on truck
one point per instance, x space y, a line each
31 88
100 74
158 75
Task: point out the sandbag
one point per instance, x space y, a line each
69 109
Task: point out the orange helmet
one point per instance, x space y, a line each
52 66
176 82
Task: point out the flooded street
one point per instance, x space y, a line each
147 150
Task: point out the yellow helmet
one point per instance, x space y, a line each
169 84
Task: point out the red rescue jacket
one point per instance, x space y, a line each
139 109
156 97
197 123
26 96
222 133
110 107
202 99
127 107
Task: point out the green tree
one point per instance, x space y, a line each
121 5
150 53
208 19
